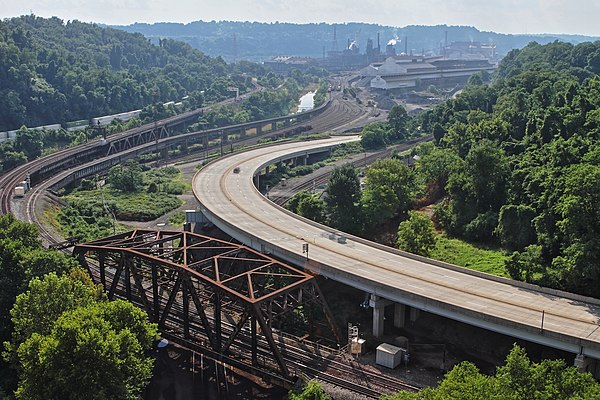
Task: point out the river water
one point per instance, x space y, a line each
307 102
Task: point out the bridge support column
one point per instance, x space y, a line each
259 129
584 364
414 314
399 315
378 318
378 305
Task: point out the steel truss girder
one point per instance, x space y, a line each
153 134
204 288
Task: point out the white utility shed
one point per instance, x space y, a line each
388 355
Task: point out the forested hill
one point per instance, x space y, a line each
53 71
518 161
258 41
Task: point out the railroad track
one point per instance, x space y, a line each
339 113
12 178
330 368
321 178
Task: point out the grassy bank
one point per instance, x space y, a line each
458 252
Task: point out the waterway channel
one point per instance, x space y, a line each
307 102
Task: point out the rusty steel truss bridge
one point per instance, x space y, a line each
225 300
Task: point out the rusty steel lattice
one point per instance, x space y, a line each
227 297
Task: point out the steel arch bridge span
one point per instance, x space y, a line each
232 202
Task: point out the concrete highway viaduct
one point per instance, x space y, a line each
231 201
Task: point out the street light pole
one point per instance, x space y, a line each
305 249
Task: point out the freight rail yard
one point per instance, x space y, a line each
192 327
311 360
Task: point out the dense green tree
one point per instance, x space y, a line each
21 259
52 71
398 119
312 207
435 168
579 209
29 142
11 159
16 239
374 136
479 189
515 226
528 144
126 178
342 201
389 190
517 379
416 234
307 205
37 309
93 352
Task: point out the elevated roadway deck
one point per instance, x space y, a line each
232 202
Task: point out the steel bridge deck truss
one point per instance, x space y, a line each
228 297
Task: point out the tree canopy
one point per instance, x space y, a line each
517 379
517 159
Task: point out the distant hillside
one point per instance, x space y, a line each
52 71
259 41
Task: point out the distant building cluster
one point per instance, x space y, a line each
385 69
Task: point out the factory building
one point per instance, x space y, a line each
410 72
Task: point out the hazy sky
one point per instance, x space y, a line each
508 16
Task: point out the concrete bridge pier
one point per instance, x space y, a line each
399 315
414 314
587 364
378 304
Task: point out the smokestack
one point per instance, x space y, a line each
378 48
445 43
406 45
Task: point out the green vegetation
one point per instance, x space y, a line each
311 391
132 193
307 205
518 379
377 135
70 343
57 71
321 93
53 71
390 190
342 201
279 100
416 234
478 257
521 164
62 338
177 218
136 206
